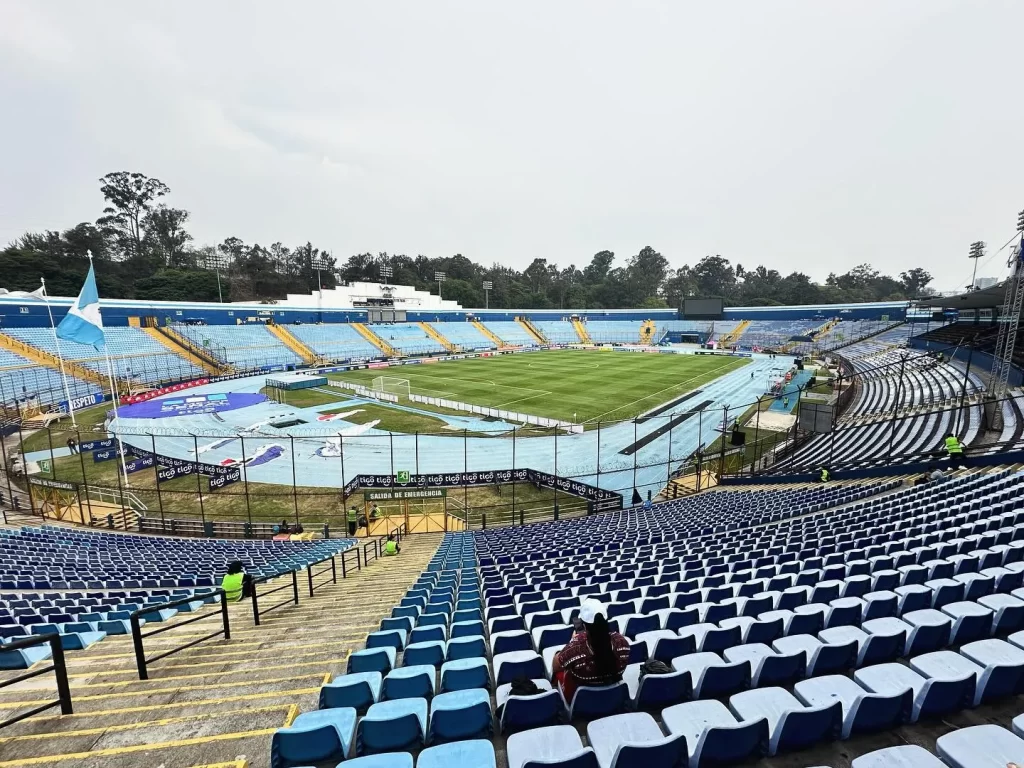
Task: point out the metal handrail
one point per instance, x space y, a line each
294 600
58 667
333 569
137 636
344 561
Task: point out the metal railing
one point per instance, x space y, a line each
137 635
257 612
371 546
58 668
332 569
344 561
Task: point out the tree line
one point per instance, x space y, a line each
142 249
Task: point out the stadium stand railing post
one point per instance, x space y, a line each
344 561
373 546
58 667
310 575
257 612
141 662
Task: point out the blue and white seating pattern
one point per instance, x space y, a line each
780 634
65 558
511 333
464 335
249 346
24 382
614 331
83 618
407 338
335 341
558 331
133 354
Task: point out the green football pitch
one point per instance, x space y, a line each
563 384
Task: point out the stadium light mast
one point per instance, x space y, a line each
216 262
439 276
977 251
319 263
487 293
385 272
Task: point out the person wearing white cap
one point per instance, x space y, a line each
594 656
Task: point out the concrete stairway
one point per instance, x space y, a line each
376 340
435 334
532 330
488 333
183 347
219 702
309 357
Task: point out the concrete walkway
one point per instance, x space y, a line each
219 701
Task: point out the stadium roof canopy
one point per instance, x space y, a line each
986 298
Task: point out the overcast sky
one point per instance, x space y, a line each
804 136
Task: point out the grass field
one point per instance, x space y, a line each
580 386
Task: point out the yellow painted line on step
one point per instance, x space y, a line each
200 703
293 712
247 652
327 678
148 723
232 764
151 692
100 671
119 683
114 751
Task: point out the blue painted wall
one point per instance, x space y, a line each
19 313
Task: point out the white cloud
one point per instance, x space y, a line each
800 135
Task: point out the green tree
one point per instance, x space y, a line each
131 197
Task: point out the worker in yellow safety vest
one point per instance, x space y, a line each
353 521
823 477
391 546
953 447
233 582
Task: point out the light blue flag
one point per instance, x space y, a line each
83 322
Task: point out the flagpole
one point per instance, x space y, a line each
60 355
113 391
113 395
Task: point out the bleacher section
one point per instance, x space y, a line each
133 354
558 331
24 382
247 347
58 558
407 338
335 342
464 335
775 333
701 328
923 394
784 628
614 332
512 333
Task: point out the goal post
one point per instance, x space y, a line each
391 385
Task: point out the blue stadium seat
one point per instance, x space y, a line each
634 740
517 712
792 725
389 726
863 711
313 737
460 715
475 753
358 691
714 735
556 746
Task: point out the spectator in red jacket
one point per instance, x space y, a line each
594 656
